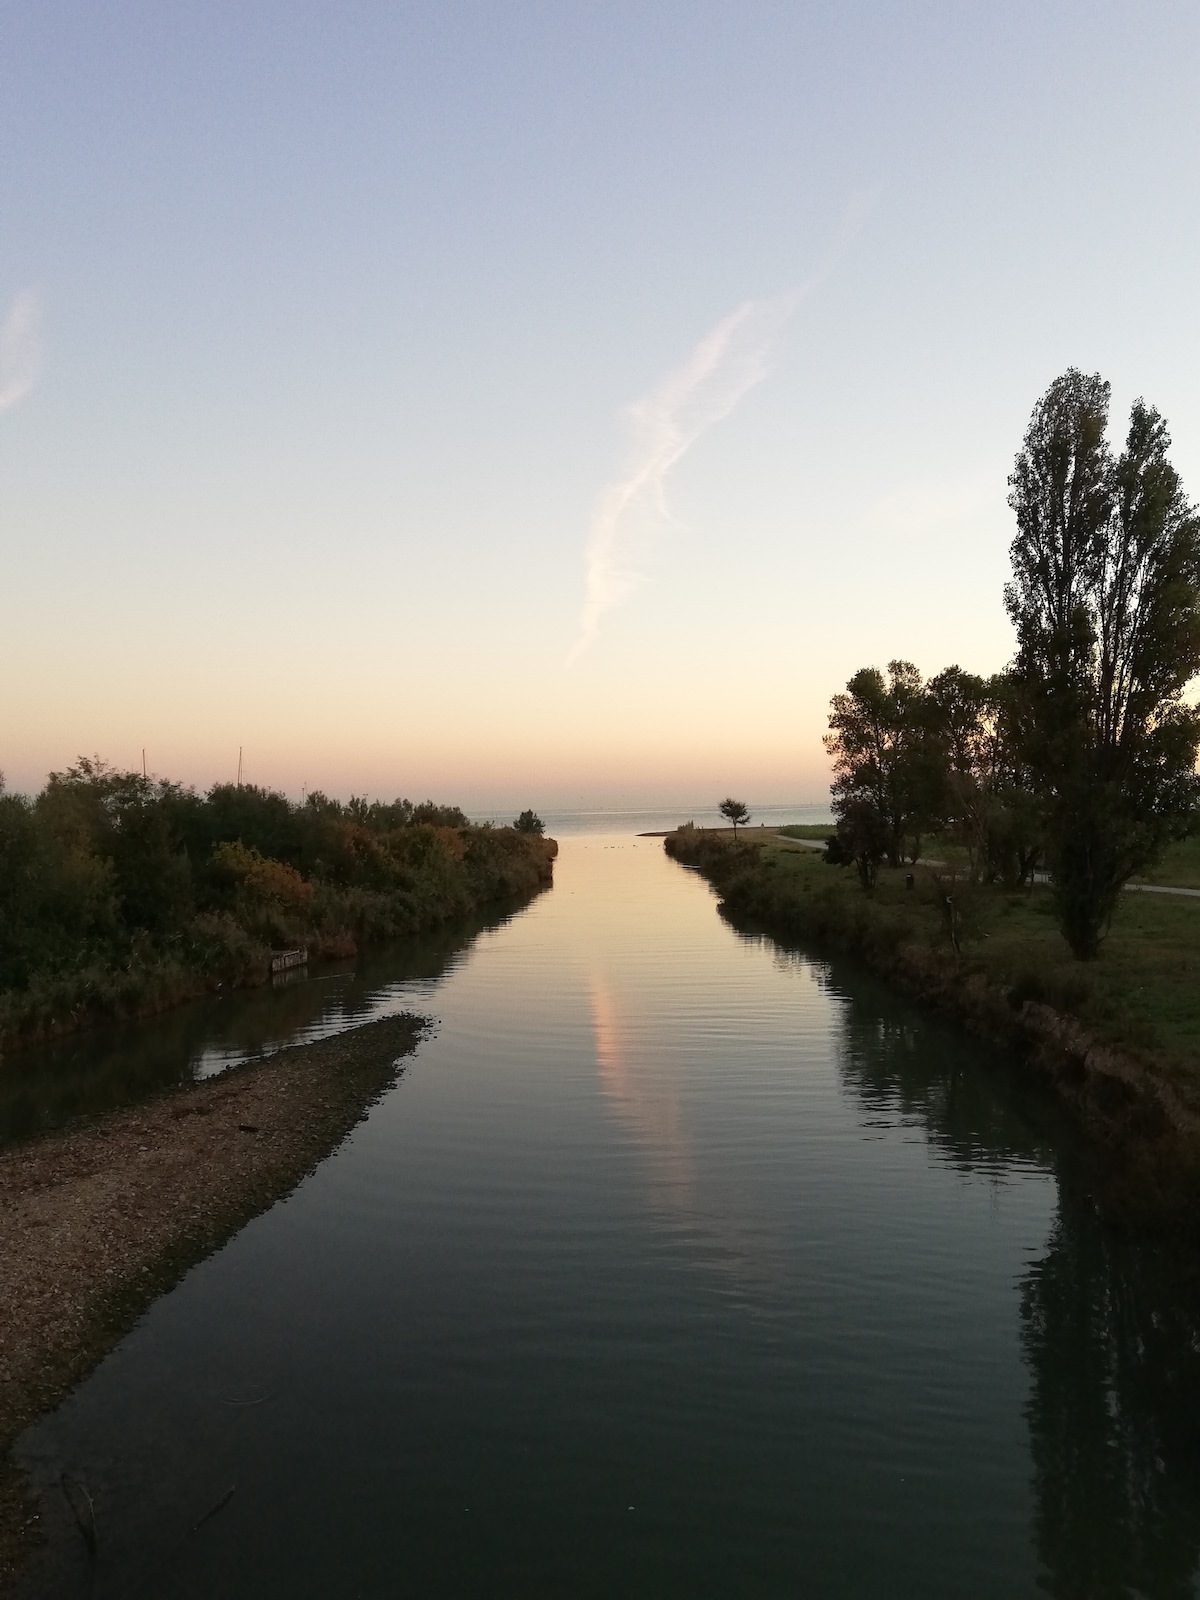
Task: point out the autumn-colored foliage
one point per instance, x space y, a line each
259 878
121 892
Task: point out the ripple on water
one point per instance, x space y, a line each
663 1218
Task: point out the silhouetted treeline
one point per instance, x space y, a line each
1083 753
120 893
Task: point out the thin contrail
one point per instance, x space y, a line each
20 352
727 363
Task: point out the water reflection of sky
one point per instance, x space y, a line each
660 1215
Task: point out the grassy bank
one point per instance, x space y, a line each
123 895
1119 1037
1180 865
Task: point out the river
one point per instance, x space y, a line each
676 1264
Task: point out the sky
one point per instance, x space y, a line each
551 403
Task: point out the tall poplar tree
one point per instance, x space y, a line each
1105 598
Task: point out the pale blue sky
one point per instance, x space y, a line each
342 308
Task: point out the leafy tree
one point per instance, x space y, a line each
861 841
735 812
266 896
988 803
1105 598
884 758
261 819
956 716
132 823
59 904
398 814
529 822
439 816
1016 836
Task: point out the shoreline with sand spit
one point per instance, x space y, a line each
100 1219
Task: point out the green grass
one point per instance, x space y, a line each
1180 865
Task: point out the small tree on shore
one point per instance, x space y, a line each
529 822
735 812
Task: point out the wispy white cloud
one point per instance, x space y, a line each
20 349
728 362
724 366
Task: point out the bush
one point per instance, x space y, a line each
121 892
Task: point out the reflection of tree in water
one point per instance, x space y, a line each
971 1098
1110 1326
1112 1337
968 1102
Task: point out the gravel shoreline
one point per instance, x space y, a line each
98 1220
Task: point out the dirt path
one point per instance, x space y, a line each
98 1220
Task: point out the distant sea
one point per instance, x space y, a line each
563 823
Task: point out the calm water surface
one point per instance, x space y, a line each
675 1265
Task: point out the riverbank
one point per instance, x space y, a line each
1118 1038
99 1220
354 888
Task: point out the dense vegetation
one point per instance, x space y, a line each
1081 756
123 893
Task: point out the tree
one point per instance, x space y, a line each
735 812
1105 598
437 816
861 841
883 756
529 822
988 803
132 823
60 903
956 716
